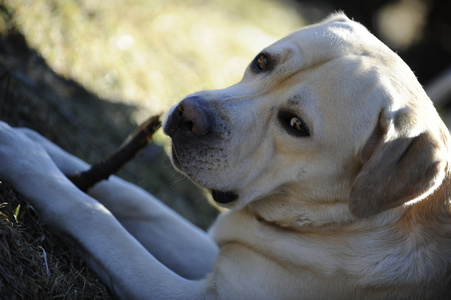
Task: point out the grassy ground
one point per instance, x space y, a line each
85 73
34 263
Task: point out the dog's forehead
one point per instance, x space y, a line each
335 37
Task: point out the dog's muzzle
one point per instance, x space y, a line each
191 125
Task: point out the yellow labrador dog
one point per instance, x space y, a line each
330 156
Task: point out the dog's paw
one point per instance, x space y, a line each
22 160
66 162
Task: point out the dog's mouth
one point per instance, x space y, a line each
175 159
219 196
224 197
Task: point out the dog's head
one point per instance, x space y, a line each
325 116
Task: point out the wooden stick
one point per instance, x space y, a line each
128 150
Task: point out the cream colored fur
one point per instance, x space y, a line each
359 208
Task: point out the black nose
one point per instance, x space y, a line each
190 116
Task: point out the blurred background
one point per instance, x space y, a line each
84 73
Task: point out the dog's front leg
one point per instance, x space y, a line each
121 261
176 243
184 248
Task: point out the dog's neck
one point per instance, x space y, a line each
294 214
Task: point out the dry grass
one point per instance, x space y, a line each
34 263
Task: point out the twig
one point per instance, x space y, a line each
129 149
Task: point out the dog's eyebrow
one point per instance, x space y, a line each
296 100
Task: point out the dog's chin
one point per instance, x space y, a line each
221 197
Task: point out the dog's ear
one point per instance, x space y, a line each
401 162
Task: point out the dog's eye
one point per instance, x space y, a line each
300 127
261 62
292 124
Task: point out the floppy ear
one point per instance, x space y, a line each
401 163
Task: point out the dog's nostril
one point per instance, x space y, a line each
192 117
187 125
180 108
